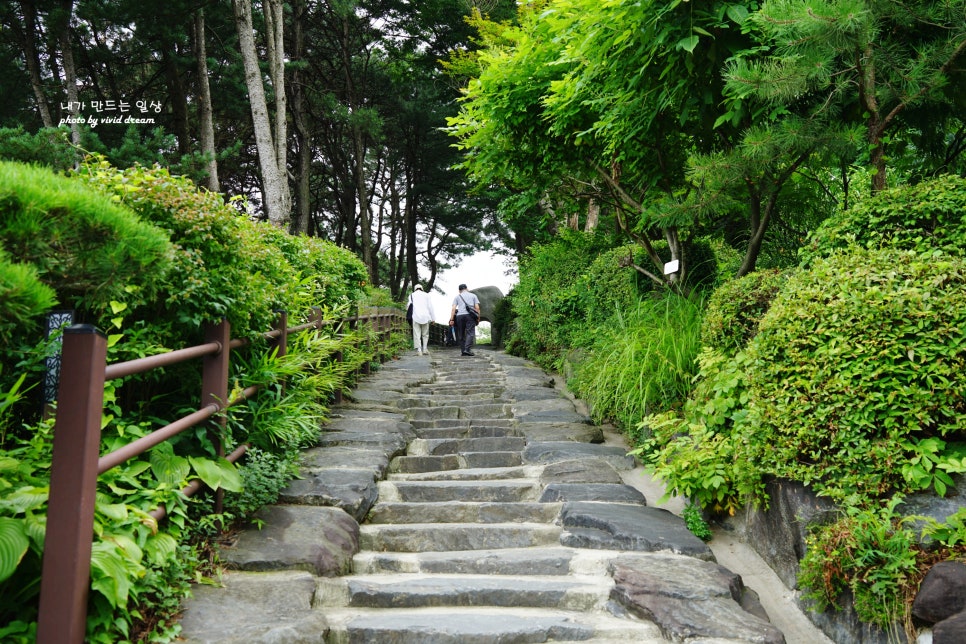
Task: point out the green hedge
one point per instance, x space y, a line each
88 249
736 308
926 217
859 362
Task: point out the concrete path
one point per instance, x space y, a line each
466 500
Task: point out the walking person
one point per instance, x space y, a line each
423 315
465 315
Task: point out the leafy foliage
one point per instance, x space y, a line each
736 308
89 250
871 553
926 217
642 360
859 360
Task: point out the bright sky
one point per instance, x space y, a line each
481 269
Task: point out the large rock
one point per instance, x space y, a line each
490 298
591 470
778 533
618 526
562 431
318 540
688 599
950 630
254 608
355 491
556 451
942 592
599 492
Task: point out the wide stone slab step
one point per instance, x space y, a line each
472 474
501 491
552 560
416 591
423 446
467 431
505 561
461 512
483 626
423 537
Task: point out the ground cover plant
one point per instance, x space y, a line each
149 258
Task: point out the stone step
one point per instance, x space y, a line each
443 462
427 446
492 459
472 474
500 491
493 625
545 560
469 431
458 512
583 593
450 423
433 537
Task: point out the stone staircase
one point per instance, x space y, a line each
465 500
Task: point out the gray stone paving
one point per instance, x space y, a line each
464 500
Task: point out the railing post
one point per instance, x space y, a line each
66 568
214 386
281 325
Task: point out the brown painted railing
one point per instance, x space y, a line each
65 576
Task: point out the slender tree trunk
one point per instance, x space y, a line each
303 138
70 71
207 120
29 42
179 101
275 190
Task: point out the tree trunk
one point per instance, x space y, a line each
275 192
207 122
70 71
29 42
303 138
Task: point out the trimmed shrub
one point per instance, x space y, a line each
736 308
90 250
859 367
23 299
925 217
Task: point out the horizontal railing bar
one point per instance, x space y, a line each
192 488
140 365
145 443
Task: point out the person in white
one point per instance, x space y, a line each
423 314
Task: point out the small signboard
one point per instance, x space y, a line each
672 266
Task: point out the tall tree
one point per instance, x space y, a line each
270 135
856 62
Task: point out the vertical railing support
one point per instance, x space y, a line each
214 387
281 325
73 486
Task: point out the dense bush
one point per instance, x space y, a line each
735 309
854 386
222 264
90 250
550 301
860 365
925 217
24 298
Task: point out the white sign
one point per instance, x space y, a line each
672 266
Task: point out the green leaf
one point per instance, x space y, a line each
218 474
13 545
688 44
167 466
738 13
